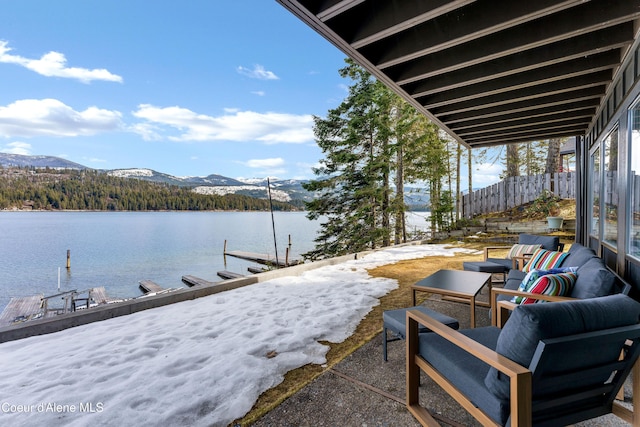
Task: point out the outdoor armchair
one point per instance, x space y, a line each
551 364
551 243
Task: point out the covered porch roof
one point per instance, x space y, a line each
489 72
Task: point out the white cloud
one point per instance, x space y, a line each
17 147
234 125
485 174
96 160
53 64
265 163
50 117
259 92
258 72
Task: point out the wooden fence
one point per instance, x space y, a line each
517 191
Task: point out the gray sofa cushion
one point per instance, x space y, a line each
531 323
507 263
448 359
547 242
578 255
594 280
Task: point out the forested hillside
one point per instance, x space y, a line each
52 189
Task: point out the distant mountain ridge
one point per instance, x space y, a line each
289 190
20 160
283 190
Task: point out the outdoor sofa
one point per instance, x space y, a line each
592 279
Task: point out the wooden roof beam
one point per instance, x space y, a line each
536 135
590 94
529 94
529 127
556 72
568 24
527 120
564 50
465 24
381 19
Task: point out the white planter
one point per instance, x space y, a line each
555 222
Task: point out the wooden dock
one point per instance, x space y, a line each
149 286
196 281
225 274
264 259
99 295
256 270
21 309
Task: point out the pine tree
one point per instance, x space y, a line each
369 138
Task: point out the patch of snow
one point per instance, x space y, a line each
221 190
127 173
199 363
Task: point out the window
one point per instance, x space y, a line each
595 193
634 183
610 193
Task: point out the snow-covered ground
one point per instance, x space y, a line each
221 190
201 362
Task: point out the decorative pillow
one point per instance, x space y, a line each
534 275
543 259
519 250
559 284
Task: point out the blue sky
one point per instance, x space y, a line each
187 88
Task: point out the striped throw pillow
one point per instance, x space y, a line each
549 284
518 250
543 259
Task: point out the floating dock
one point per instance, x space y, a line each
264 259
256 270
149 286
196 281
21 309
225 274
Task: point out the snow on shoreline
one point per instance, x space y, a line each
200 362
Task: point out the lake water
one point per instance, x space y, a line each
117 249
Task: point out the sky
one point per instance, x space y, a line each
194 88
202 362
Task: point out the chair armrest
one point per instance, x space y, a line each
495 315
504 309
519 376
490 357
490 248
518 262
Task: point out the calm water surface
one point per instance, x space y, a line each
117 249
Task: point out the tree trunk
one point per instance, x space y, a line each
400 231
553 156
458 175
513 163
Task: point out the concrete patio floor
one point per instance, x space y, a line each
363 390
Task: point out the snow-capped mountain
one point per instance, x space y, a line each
18 160
281 190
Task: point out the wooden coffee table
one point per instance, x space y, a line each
457 285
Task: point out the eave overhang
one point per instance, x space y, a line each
488 72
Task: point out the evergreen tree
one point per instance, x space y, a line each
369 138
